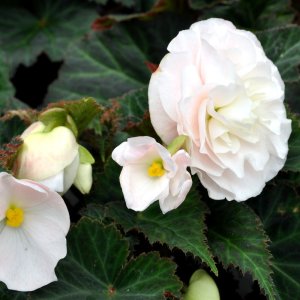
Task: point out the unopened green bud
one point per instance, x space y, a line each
202 287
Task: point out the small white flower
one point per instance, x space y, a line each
150 173
33 224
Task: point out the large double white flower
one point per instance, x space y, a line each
218 87
33 224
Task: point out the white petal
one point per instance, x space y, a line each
55 183
6 187
179 185
215 69
172 202
134 150
70 173
139 189
185 41
162 123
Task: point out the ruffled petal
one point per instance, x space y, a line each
179 185
162 123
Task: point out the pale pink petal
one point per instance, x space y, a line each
135 149
162 123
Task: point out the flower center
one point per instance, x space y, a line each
14 217
156 169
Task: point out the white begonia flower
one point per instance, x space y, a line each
217 87
150 173
51 158
34 222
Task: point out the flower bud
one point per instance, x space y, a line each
202 287
51 156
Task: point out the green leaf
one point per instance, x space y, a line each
42 26
282 46
251 15
104 65
6 87
106 185
293 159
279 209
133 115
139 9
82 111
186 233
292 92
237 238
103 2
133 106
201 4
6 294
96 267
110 63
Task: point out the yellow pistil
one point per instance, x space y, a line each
156 169
14 217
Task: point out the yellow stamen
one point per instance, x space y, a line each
156 169
14 217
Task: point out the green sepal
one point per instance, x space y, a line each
85 156
55 117
177 144
81 112
52 118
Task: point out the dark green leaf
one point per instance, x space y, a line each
133 108
292 92
237 238
96 267
106 185
6 87
6 294
279 209
282 46
186 233
110 63
82 111
201 4
104 65
251 15
293 159
42 26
